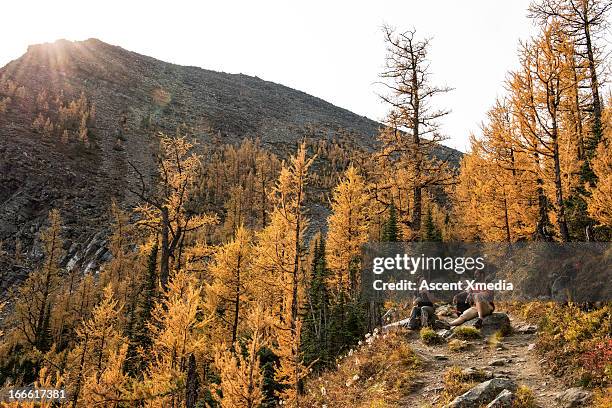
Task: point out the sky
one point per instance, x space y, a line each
332 49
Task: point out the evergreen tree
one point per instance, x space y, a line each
390 231
315 335
432 232
139 335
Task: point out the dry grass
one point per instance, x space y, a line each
466 333
457 346
455 384
377 374
524 398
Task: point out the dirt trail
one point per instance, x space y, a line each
520 364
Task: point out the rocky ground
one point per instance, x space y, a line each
501 366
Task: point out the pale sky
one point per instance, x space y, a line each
331 49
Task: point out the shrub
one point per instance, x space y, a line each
577 343
430 337
496 338
523 398
466 333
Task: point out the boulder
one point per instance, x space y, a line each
574 397
503 400
482 393
493 323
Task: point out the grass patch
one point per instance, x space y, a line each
457 346
524 398
430 337
577 344
380 374
455 384
466 333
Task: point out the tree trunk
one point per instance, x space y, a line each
165 248
416 139
192 384
559 192
237 304
597 128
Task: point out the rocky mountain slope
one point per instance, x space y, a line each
74 114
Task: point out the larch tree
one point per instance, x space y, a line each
121 271
164 208
177 332
494 197
232 284
586 21
278 259
241 375
96 369
413 122
280 250
600 200
348 231
538 89
36 297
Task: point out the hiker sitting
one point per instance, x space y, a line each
481 306
460 300
423 311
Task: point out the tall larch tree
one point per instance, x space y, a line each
413 121
36 297
348 231
241 375
538 89
586 22
600 200
96 363
279 257
232 285
164 209
178 331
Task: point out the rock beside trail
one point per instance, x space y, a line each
526 329
445 333
498 362
482 393
574 397
503 400
493 323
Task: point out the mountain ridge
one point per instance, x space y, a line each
55 152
